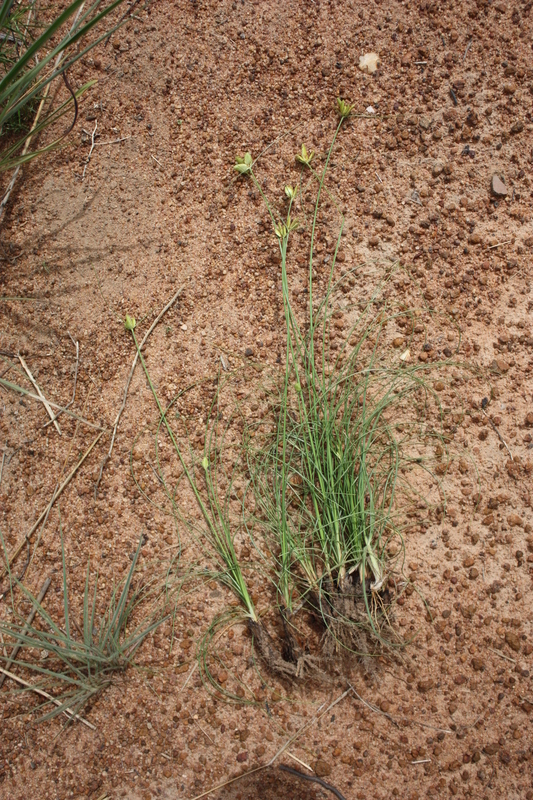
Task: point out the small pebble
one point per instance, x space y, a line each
321 768
498 187
369 62
513 640
499 365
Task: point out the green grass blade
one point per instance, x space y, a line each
5 10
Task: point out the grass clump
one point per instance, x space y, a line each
326 478
327 473
32 56
75 663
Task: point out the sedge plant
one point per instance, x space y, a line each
218 534
325 469
325 480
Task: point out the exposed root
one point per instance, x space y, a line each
291 650
343 615
300 665
340 637
269 654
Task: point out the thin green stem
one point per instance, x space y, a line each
219 533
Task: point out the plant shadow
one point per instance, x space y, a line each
271 784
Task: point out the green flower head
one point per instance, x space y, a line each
283 229
344 109
129 323
303 157
243 164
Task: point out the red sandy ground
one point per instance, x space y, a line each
189 85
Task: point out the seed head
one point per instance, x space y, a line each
303 157
344 109
243 164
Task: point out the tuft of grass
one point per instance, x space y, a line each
31 59
327 472
72 668
326 478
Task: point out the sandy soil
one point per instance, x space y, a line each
186 87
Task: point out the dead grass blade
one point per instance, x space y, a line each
36 386
56 494
63 409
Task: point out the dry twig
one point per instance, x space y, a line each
71 401
205 733
93 134
189 676
502 655
56 494
498 434
298 760
112 141
374 708
404 719
45 402
500 244
313 779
